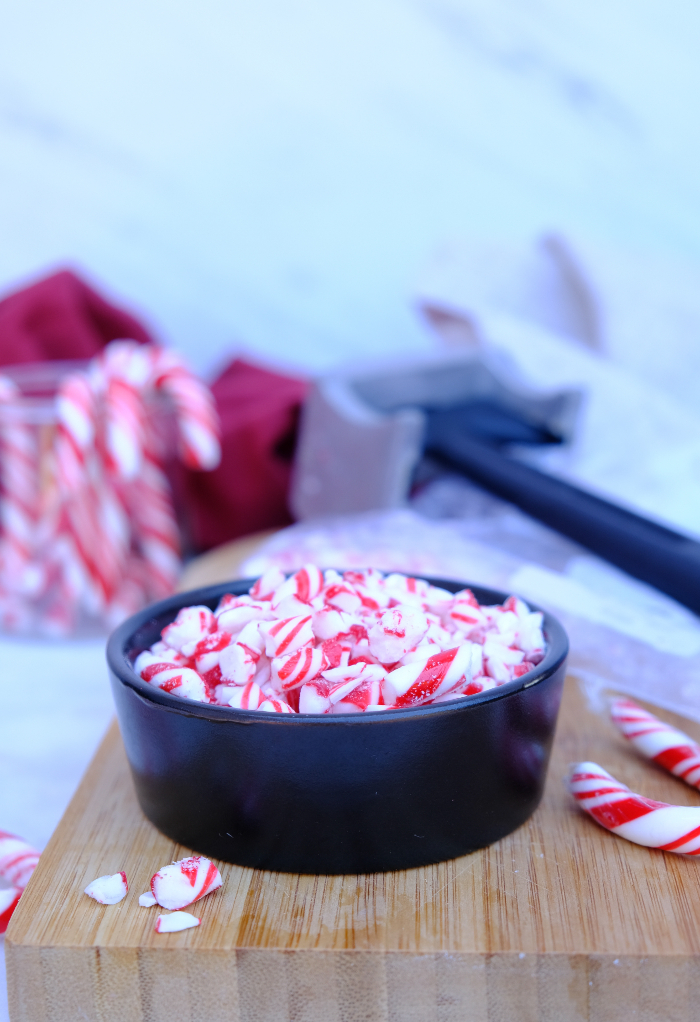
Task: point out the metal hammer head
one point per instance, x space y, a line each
363 434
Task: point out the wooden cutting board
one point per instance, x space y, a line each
559 922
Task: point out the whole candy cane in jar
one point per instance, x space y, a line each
123 373
80 519
194 409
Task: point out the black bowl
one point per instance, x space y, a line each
358 793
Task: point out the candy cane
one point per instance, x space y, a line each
19 507
90 555
295 670
122 373
194 409
181 883
631 816
18 860
108 890
658 741
175 922
421 682
397 631
287 636
155 526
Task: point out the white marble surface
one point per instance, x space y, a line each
273 176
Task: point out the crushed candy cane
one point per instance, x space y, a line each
176 921
108 890
183 882
329 643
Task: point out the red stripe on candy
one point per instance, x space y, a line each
614 814
670 758
294 632
683 839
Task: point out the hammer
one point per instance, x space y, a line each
362 436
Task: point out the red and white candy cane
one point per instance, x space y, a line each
240 697
419 682
657 740
341 596
238 662
305 584
126 370
398 630
197 421
295 670
18 861
91 518
171 677
175 922
122 375
191 625
181 883
265 586
631 816
271 705
287 635
19 459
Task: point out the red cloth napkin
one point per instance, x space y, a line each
259 411
61 317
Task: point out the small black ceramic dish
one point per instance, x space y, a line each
357 793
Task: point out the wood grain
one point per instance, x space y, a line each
559 922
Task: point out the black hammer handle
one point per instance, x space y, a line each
649 552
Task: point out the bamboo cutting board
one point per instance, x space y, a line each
559 922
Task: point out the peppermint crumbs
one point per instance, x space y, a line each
328 643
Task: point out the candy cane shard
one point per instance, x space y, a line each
108 890
175 922
442 672
320 643
272 705
631 816
183 882
657 740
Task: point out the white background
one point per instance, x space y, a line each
274 174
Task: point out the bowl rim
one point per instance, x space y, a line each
121 667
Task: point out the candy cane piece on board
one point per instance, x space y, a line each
631 816
657 740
